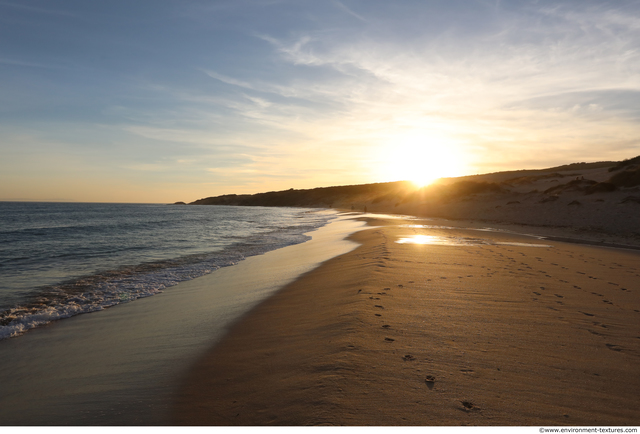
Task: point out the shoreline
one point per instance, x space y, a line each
551 232
513 335
568 235
120 366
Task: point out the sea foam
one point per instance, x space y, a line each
241 233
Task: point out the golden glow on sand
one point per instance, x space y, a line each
435 240
422 159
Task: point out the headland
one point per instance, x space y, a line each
597 202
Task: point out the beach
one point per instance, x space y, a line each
338 213
434 322
121 366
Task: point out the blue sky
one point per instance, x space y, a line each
159 101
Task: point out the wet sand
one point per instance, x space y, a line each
121 366
480 333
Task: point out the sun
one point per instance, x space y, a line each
421 159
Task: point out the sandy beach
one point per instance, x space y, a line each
121 366
219 213
452 326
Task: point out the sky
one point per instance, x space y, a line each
162 101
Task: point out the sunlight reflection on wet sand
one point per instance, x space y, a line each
435 240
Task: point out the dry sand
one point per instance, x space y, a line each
409 334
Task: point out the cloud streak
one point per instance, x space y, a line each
267 95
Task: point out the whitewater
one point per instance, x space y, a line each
58 260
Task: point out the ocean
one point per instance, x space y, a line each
105 307
58 260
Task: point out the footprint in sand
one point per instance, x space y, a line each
389 339
377 305
468 405
374 298
386 326
614 347
408 357
430 379
559 296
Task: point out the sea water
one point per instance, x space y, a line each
124 365
59 260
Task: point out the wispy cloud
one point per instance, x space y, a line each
38 10
280 94
299 51
561 84
344 8
14 62
228 80
468 90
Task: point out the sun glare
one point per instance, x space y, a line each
422 159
